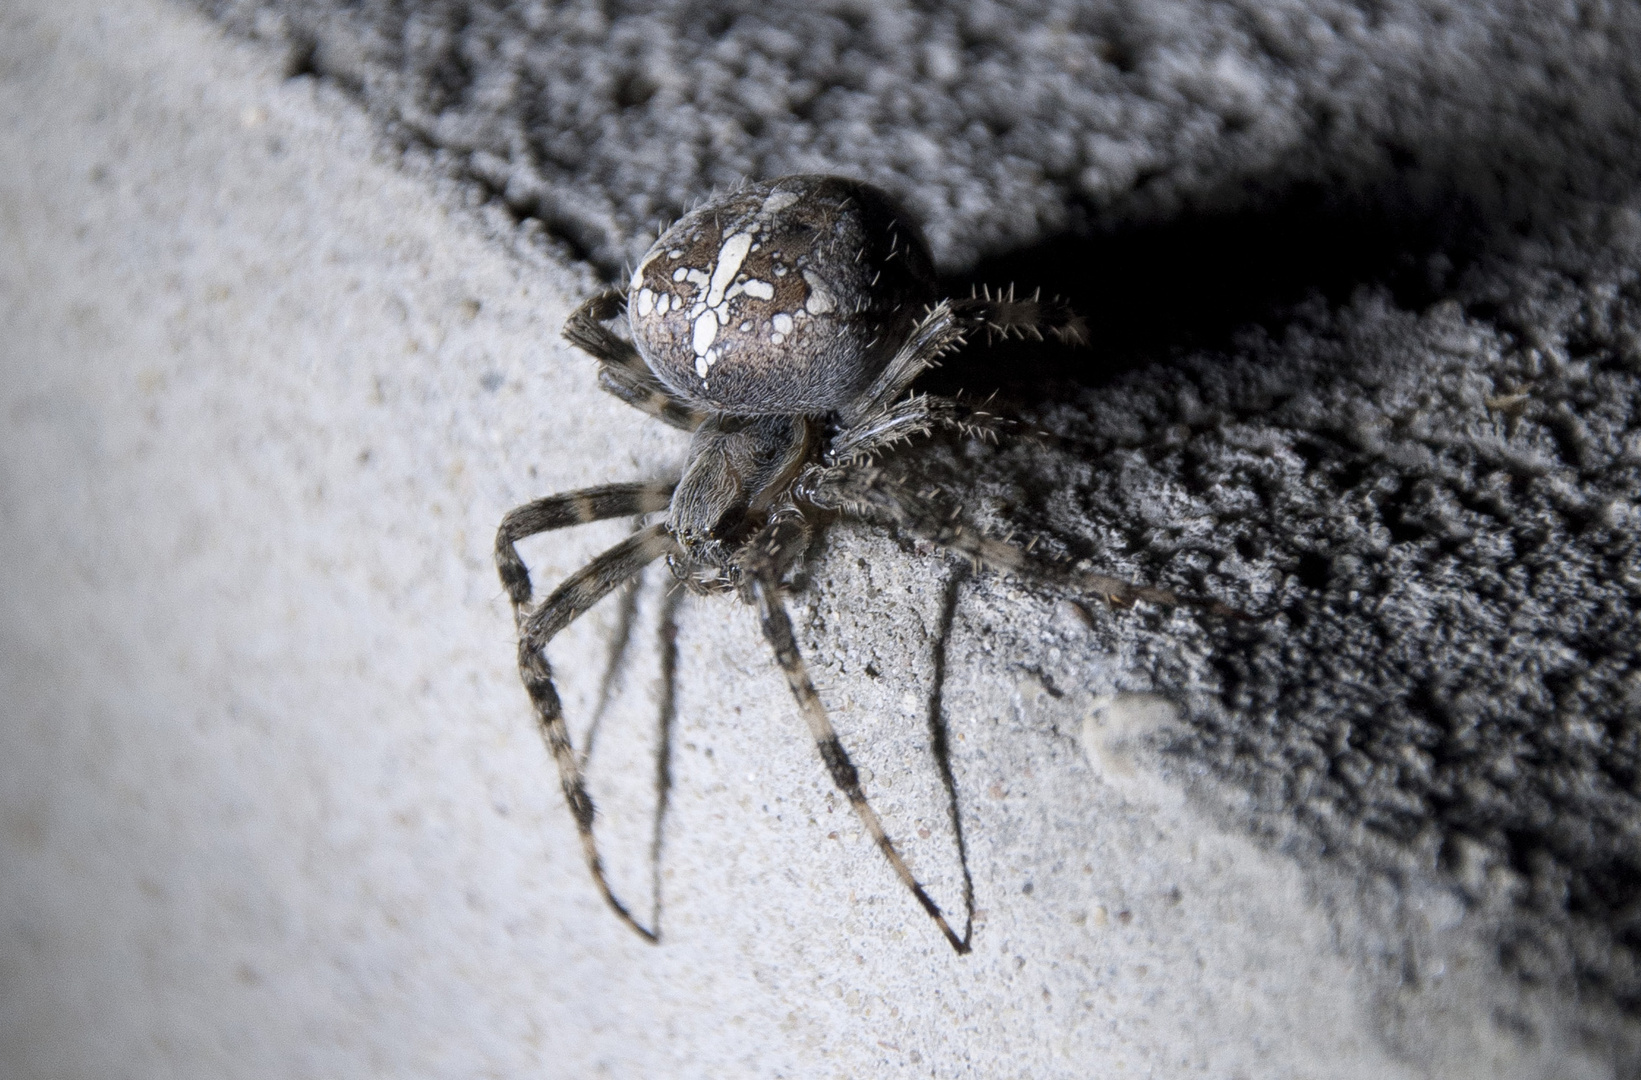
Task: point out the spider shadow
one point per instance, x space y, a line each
940 736
1180 295
616 662
1155 292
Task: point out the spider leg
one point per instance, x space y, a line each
910 418
1002 313
948 324
579 592
562 511
874 497
631 381
774 549
777 627
939 332
621 371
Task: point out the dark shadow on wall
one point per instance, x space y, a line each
1169 284
1190 284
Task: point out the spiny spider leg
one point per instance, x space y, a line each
566 603
774 548
631 382
560 512
939 332
621 371
947 325
876 498
1003 313
783 534
909 418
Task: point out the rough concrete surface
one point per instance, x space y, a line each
279 332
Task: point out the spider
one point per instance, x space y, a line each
782 324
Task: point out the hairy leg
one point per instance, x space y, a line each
621 371
949 323
774 549
777 546
777 627
868 494
1001 312
561 512
566 603
908 419
939 332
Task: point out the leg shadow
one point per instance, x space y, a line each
940 738
615 664
663 750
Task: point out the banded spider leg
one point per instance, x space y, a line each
579 592
781 543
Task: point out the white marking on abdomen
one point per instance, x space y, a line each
706 328
820 298
638 274
730 257
777 201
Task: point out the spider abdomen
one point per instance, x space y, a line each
787 297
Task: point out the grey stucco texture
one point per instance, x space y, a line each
997 124
280 347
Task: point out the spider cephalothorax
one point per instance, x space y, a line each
784 325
